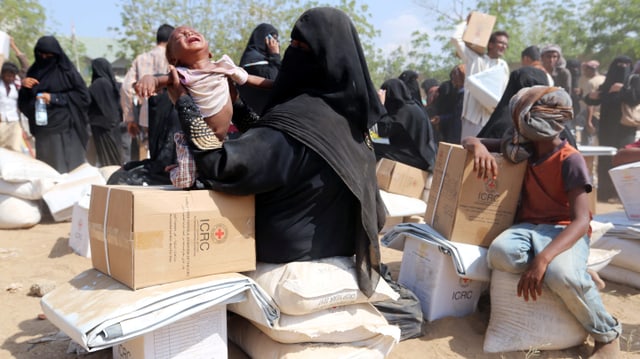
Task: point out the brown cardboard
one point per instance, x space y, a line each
466 209
479 28
399 178
158 235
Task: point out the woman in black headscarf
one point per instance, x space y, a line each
261 57
611 132
62 142
408 128
309 159
410 79
105 114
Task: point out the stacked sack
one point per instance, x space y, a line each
23 181
323 314
624 236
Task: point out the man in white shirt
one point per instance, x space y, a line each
474 114
10 127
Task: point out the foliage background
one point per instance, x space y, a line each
585 29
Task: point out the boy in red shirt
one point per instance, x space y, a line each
550 241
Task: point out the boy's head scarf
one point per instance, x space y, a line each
538 113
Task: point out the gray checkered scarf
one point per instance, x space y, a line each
538 113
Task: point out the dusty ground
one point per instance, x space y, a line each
41 254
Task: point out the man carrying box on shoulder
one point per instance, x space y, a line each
474 114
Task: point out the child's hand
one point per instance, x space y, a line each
530 283
146 86
484 163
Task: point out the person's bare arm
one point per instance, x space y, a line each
484 163
149 85
258 81
530 283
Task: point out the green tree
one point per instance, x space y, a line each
219 22
22 19
614 29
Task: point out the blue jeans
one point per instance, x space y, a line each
566 275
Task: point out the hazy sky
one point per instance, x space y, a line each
396 19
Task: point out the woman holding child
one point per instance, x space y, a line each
308 159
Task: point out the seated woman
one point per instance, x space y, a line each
408 128
309 159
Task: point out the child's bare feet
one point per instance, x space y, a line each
596 279
609 350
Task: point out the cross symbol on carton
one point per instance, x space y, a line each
219 233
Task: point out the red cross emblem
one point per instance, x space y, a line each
220 232
491 185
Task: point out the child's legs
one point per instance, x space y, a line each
511 251
567 276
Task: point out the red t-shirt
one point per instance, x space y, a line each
546 185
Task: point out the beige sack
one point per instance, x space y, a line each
306 287
259 346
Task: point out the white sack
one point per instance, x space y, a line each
343 324
621 275
28 189
305 287
259 346
629 251
18 213
18 167
543 324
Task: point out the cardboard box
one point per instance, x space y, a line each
61 198
626 179
466 209
430 274
488 86
399 178
79 235
200 336
478 31
157 235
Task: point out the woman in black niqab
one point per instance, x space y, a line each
309 159
257 59
324 98
611 132
410 79
409 130
105 114
62 142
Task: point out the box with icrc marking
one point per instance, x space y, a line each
143 236
429 273
467 209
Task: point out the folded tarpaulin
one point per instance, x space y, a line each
469 261
97 311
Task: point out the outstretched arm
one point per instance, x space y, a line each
149 85
257 81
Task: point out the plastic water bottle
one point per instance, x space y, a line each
41 112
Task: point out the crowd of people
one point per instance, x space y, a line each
295 132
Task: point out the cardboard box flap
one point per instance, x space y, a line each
397 205
468 260
487 86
